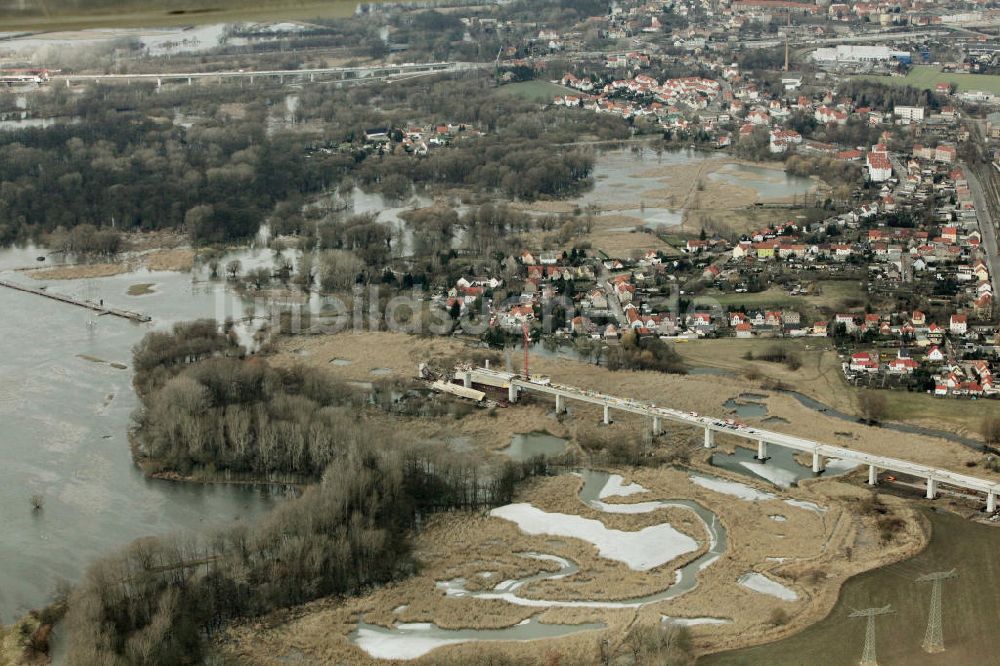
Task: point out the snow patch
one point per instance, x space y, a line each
758 582
732 488
614 488
803 504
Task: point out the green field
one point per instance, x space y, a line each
971 605
928 76
537 91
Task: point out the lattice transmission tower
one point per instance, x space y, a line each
868 656
934 637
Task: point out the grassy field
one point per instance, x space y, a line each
970 608
928 76
820 377
835 295
536 91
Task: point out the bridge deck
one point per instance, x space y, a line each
751 433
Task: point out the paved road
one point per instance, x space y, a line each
987 221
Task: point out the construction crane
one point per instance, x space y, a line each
526 341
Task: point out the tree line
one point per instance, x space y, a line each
157 601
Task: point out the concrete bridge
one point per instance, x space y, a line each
933 476
329 73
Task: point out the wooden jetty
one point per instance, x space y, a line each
99 308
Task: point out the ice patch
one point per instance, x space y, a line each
637 507
732 488
642 550
405 643
452 588
412 640
693 621
840 466
614 488
803 504
758 582
783 478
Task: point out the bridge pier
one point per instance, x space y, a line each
159 83
560 404
709 438
189 80
657 426
931 488
761 450
68 85
872 475
607 415
511 393
817 466
991 502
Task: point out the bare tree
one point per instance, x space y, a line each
872 405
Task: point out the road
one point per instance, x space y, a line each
614 304
986 210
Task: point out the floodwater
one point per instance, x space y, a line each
526 446
768 183
625 180
66 411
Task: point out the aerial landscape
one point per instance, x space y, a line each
545 332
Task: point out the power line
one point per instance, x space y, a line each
934 637
868 656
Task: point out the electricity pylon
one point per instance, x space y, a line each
934 638
868 656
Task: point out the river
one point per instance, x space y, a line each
65 413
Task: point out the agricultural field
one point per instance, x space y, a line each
536 91
928 76
969 608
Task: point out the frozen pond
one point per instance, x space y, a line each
642 550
